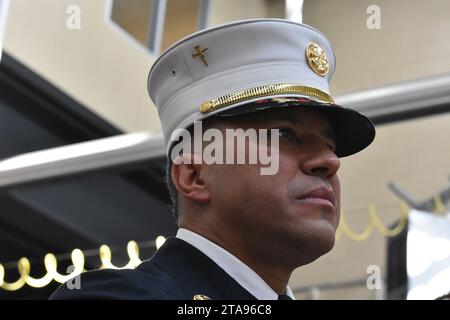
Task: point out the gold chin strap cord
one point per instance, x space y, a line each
264 91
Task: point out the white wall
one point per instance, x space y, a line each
223 11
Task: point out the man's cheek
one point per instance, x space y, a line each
336 186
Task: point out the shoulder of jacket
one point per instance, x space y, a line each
150 283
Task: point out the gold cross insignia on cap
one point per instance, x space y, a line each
201 297
317 59
199 52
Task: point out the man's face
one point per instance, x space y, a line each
292 215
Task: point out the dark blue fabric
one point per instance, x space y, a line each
176 271
284 297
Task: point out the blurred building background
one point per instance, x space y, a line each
64 83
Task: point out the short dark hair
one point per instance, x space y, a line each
172 190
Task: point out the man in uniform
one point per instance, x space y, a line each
242 233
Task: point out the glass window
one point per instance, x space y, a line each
134 17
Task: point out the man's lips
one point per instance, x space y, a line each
319 195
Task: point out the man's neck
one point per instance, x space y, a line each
275 275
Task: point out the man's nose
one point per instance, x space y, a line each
324 163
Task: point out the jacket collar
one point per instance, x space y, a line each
197 274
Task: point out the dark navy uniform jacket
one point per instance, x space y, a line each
176 271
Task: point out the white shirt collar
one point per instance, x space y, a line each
235 268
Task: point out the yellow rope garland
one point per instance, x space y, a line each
133 254
374 223
78 258
24 271
439 205
78 261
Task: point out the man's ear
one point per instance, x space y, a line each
188 177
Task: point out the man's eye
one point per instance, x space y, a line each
289 134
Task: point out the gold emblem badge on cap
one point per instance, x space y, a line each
317 59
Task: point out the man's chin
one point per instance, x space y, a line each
315 243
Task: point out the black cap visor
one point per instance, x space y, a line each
353 130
